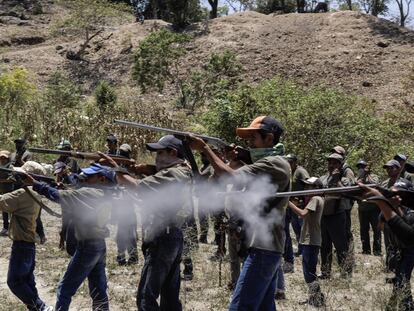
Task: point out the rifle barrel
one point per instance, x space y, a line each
324 191
35 176
80 155
212 140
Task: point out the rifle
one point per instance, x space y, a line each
82 155
179 134
355 192
243 154
18 174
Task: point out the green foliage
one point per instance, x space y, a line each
61 91
270 6
156 59
220 74
105 96
183 12
315 120
17 100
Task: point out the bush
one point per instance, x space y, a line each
105 96
156 59
315 120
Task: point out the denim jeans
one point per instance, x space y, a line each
309 262
256 286
20 277
369 218
161 273
280 280
5 220
291 218
87 262
126 237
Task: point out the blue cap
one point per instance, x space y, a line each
96 168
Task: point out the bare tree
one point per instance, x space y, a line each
241 5
374 7
404 9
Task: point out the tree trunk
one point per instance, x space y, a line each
349 2
214 8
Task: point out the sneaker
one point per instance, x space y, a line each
288 267
324 276
4 232
280 296
47 308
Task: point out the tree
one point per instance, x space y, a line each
88 18
374 7
241 5
404 10
214 8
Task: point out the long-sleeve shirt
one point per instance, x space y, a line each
89 207
402 229
24 211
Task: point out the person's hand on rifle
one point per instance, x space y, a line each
27 179
143 169
196 143
388 206
108 160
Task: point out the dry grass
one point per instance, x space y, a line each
365 291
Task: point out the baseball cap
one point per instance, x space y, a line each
96 168
291 157
58 167
313 181
392 163
264 123
125 148
167 141
20 140
339 150
409 166
4 154
400 157
335 156
361 163
111 138
64 145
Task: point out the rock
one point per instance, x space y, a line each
72 55
6 60
382 44
5 43
30 40
366 84
59 47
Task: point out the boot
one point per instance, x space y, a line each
188 270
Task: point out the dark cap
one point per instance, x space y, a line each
409 166
64 145
264 123
400 157
58 167
392 163
100 169
291 157
111 138
361 163
335 156
339 150
20 140
167 142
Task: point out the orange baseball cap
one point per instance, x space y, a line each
264 123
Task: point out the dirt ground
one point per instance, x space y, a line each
349 51
365 291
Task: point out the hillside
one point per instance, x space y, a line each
356 53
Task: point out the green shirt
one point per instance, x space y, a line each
24 211
298 176
154 191
273 211
311 228
90 210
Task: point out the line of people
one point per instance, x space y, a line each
258 237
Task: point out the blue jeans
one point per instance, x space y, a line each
87 262
20 277
291 218
161 273
309 262
256 286
280 280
